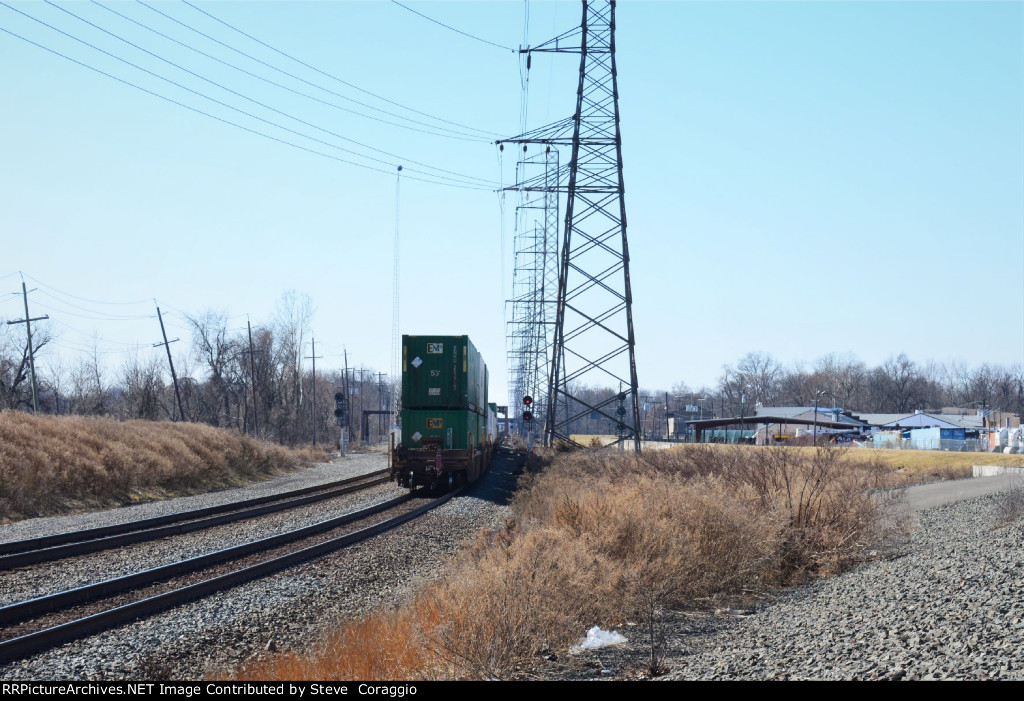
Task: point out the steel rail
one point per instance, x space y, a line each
91 546
90 534
60 600
17 648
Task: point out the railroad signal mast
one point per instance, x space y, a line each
528 421
593 341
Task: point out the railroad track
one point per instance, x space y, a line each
31 626
54 547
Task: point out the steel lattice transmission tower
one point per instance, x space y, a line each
593 344
535 280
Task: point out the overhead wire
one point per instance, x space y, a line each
439 131
105 315
228 121
324 73
436 177
272 109
446 26
79 298
69 327
52 308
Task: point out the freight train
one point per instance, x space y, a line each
448 426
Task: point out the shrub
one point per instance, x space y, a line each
605 538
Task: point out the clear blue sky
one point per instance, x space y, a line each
801 177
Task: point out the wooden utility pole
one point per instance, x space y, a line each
27 321
167 346
348 401
314 357
380 405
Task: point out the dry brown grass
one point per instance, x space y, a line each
388 645
925 465
608 538
909 466
60 464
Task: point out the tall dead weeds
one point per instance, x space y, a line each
55 464
605 538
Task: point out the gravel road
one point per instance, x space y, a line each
947 605
287 611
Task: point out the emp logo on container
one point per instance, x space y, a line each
435 348
435 423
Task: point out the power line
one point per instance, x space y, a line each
227 121
108 315
266 106
99 351
324 73
438 131
83 334
226 105
87 316
81 299
457 31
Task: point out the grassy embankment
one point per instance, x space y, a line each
60 464
608 538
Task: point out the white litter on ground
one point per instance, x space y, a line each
597 638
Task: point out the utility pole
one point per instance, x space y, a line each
167 345
362 393
348 401
27 321
252 380
815 434
380 417
313 357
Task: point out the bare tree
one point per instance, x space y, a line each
15 375
142 383
898 385
796 387
982 386
754 379
212 346
844 377
292 322
57 382
89 395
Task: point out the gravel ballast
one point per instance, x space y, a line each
288 611
947 605
944 605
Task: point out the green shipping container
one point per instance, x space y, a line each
443 372
456 428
